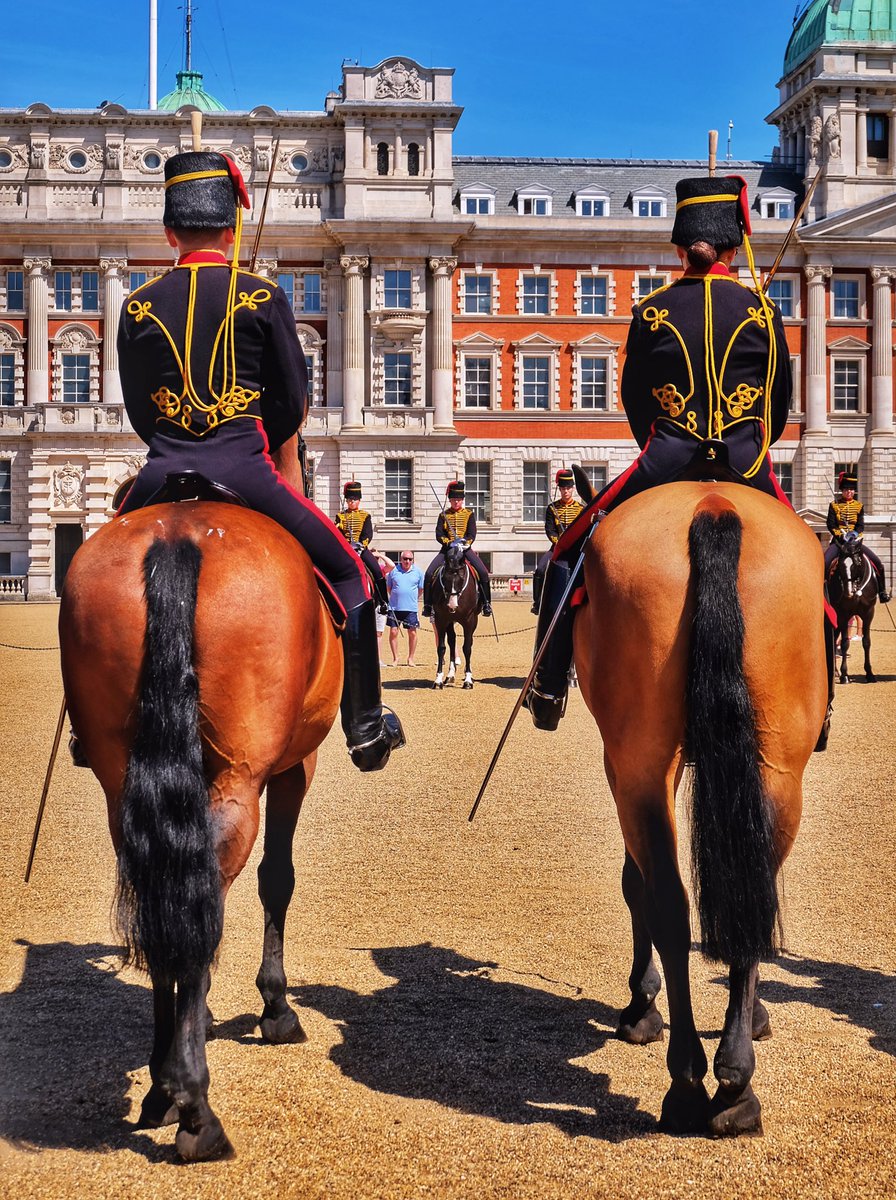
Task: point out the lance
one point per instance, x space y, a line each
264 207
810 191
43 799
536 662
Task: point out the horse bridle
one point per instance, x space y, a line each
849 560
455 573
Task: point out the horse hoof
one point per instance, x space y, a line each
641 1032
157 1110
282 1030
762 1026
685 1108
210 1142
468 686
739 1116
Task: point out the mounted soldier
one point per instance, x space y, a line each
707 373
457 524
356 526
558 517
215 382
847 516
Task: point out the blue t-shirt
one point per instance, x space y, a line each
404 587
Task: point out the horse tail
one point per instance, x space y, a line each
169 904
732 843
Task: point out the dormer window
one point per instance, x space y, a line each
650 206
592 203
778 204
534 202
477 200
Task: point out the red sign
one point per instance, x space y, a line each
515 585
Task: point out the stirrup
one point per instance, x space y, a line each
822 743
75 750
486 609
546 710
884 597
373 754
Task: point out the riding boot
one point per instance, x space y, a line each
547 695
537 585
830 655
882 594
371 733
485 592
381 592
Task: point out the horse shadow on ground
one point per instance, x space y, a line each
70 1035
862 997
445 1030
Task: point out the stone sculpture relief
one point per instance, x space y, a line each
399 82
832 137
67 486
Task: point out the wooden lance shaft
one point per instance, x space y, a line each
196 123
713 149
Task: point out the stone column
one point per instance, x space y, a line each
37 384
335 348
442 365
397 164
882 354
861 139
353 267
113 298
816 352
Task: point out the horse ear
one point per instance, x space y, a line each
583 484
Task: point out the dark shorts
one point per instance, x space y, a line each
410 619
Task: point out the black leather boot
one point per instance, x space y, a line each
830 655
547 695
371 733
485 592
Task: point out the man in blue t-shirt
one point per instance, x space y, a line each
405 583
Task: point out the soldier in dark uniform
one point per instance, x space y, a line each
356 526
213 379
848 516
706 358
457 523
558 517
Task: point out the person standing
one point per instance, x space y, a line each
214 381
457 524
405 585
558 517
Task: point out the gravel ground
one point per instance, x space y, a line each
459 984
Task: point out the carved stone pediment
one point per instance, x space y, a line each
399 82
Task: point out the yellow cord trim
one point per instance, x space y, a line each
668 395
195 175
705 200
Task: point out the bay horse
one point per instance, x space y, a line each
200 667
697 645
455 601
853 592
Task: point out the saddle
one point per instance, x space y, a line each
182 486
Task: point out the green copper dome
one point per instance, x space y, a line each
189 90
828 22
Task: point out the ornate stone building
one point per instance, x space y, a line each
460 316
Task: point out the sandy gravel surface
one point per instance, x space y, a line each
459 985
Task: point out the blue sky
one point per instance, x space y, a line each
605 78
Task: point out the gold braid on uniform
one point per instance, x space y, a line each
351 524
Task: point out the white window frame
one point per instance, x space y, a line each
661 279
475 464
581 276
773 204
651 196
392 459
534 195
4 289
75 338
845 278
378 285
12 342
595 346
590 467
796 374
6 491
477 345
530 273
313 348
794 281
402 353
845 356
539 515
479 192
469 273
592 195
537 345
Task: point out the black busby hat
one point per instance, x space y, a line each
713 209
455 490
565 478
847 479
352 490
202 190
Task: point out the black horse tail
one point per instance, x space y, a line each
732 842
169 903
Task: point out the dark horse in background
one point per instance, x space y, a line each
853 592
455 601
201 666
698 646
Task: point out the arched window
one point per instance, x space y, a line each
382 158
413 159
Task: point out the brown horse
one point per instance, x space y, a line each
853 591
698 645
455 601
200 667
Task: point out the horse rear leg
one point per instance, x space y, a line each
452 654
735 1108
866 644
276 882
640 1021
843 638
440 650
158 1106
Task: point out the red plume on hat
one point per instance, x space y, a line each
239 184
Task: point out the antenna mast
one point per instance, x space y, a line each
188 34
